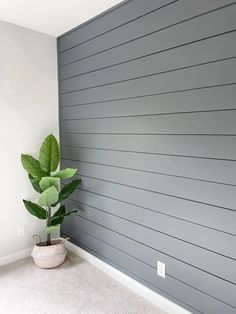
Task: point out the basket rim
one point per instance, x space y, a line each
52 245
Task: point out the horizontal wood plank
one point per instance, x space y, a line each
213 123
217 147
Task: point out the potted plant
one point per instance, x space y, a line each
45 179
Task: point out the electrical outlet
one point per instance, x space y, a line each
161 269
21 231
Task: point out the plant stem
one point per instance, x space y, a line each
48 225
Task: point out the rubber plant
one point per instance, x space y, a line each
45 179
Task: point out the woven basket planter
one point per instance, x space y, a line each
49 256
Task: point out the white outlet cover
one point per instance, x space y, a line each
21 231
161 269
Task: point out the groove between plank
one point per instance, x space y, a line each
152 134
149 153
150 114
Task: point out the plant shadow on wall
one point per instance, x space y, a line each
46 181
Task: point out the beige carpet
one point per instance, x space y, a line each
75 287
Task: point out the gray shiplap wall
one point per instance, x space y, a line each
147 114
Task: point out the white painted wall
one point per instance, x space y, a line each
28 112
53 17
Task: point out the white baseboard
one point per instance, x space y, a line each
15 256
153 297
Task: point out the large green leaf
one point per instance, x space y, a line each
48 197
35 209
59 219
32 166
49 154
67 190
46 182
60 214
66 173
35 183
60 211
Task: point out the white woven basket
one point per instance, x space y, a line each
49 256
